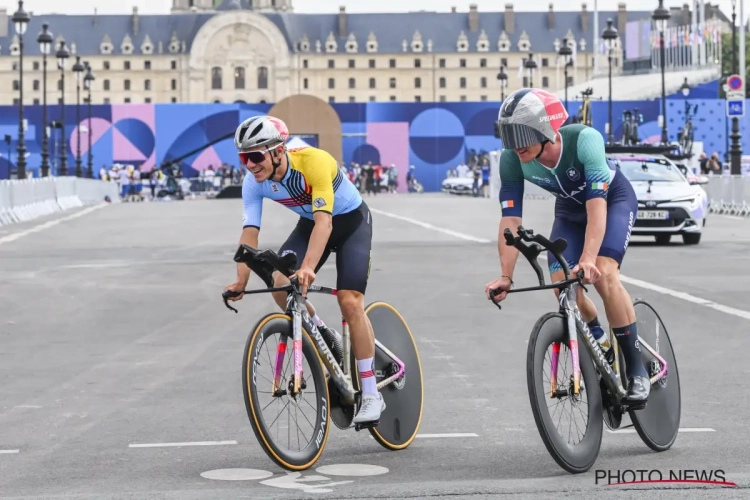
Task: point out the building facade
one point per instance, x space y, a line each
262 51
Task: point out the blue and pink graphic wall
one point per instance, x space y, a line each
431 136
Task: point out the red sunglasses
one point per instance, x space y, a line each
253 156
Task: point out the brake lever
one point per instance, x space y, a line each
226 295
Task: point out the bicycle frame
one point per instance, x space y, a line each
297 310
575 325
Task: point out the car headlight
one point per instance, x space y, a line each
694 200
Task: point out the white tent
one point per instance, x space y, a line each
296 142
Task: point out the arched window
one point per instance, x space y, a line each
216 78
262 77
239 78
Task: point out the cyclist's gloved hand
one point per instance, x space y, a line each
502 284
590 272
236 287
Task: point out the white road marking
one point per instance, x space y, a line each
236 474
295 481
682 429
448 435
27 406
194 443
9 452
352 470
425 225
48 224
633 281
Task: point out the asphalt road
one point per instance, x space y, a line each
113 334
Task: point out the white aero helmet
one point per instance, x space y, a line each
530 116
260 131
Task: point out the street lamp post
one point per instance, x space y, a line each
78 70
45 45
530 64
503 78
567 54
88 81
661 16
610 38
735 151
62 56
20 23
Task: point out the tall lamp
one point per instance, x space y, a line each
530 65
20 23
610 38
567 54
88 81
62 57
78 70
661 16
503 78
45 46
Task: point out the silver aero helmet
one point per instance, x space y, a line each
530 116
260 131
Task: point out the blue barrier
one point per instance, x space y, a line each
430 136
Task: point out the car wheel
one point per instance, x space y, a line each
663 239
691 238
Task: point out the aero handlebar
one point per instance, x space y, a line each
531 246
264 263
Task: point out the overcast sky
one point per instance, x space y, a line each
332 6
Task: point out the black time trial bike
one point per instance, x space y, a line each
317 384
583 382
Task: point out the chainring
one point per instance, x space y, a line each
611 413
342 415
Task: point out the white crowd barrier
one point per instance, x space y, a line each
27 199
728 194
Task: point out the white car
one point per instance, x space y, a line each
458 185
668 203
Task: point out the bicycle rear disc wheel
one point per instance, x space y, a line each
574 458
303 421
658 423
404 398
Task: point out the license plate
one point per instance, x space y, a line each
653 214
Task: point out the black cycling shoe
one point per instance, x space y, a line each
333 341
638 390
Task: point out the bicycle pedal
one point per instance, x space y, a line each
366 425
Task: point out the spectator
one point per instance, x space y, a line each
703 162
477 172
210 176
714 164
486 178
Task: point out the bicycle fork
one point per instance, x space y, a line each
567 298
296 355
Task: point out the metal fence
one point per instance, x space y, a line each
27 199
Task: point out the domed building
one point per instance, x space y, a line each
262 51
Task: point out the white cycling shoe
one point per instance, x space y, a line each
372 407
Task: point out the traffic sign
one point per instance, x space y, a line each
735 108
735 82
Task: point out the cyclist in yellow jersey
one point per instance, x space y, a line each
333 218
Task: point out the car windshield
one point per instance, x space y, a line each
650 169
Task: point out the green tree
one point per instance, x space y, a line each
726 60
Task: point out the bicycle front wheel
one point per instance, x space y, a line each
291 429
570 425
